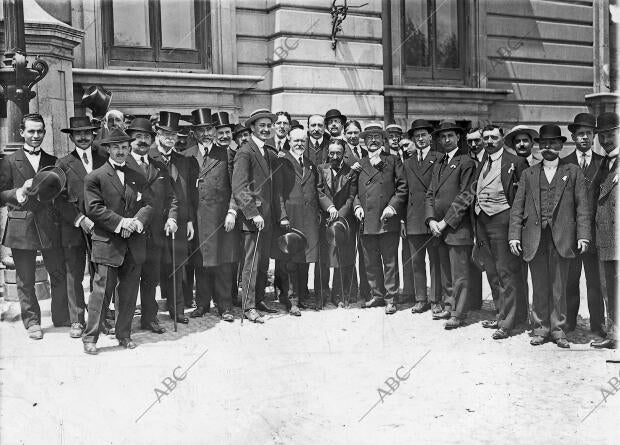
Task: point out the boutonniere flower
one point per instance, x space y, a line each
452 166
432 162
512 168
615 180
139 198
198 181
564 178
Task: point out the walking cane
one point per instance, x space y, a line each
340 273
319 263
354 257
247 288
174 285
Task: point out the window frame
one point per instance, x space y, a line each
156 56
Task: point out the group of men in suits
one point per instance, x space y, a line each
214 210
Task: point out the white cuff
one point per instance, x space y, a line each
118 228
21 196
233 212
78 220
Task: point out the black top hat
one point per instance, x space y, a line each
97 99
582 120
420 124
550 131
259 114
221 120
447 126
168 120
292 242
48 183
239 129
296 124
335 113
202 117
114 136
79 123
140 124
338 232
607 121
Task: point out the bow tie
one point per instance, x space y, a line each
33 152
122 168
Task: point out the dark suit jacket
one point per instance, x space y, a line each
74 191
511 170
449 198
606 215
418 179
32 225
271 142
350 157
107 201
319 156
571 214
378 188
252 184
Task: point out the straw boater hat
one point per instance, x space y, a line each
510 136
373 127
259 114
394 128
79 123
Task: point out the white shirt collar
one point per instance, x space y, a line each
88 150
259 142
113 163
138 157
314 141
587 154
28 148
498 154
613 153
425 151
480 155
452 153
375 154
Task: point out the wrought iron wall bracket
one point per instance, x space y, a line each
339 13
17 79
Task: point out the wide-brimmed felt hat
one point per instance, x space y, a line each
221 119
79 123
48 183
333 113
550 131
239 128
448 126
168 120
292 242
582 120
338 232
114 136
259 114
201 117
98 99
394 128
607 121
296 124
373 127
420 124
140 124
514 131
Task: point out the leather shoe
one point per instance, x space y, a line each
390 308
261 306
90 348
537 340
154 326
108 330
198 312
228 316
562 343
35 332
294 310
443 315
127 343
182 319
501 334
254 316
607 343
374 302
490 324
76 330
436 308
453 323
420 307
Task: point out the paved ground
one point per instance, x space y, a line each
318 379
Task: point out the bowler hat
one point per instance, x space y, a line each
338 232
239 129
296 124
607 121
79 123
518 129
447 126
550 131
202 117
337 114
221 120
114 136
168 120
140 124
373 127
420 124
97 99
48 183
292 242
259 114
582 120
394 128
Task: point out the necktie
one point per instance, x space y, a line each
486 172
85 158
279 145
583 164
419 157
316 145
143 164
301 164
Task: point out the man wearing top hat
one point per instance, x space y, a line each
163 222
255 195
447 215
318 140
608 132
495 185
341 188
33 225
381 196
418 170
118 202
76 227
301 199
550 225
182 172
334 123
217 235
582 133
